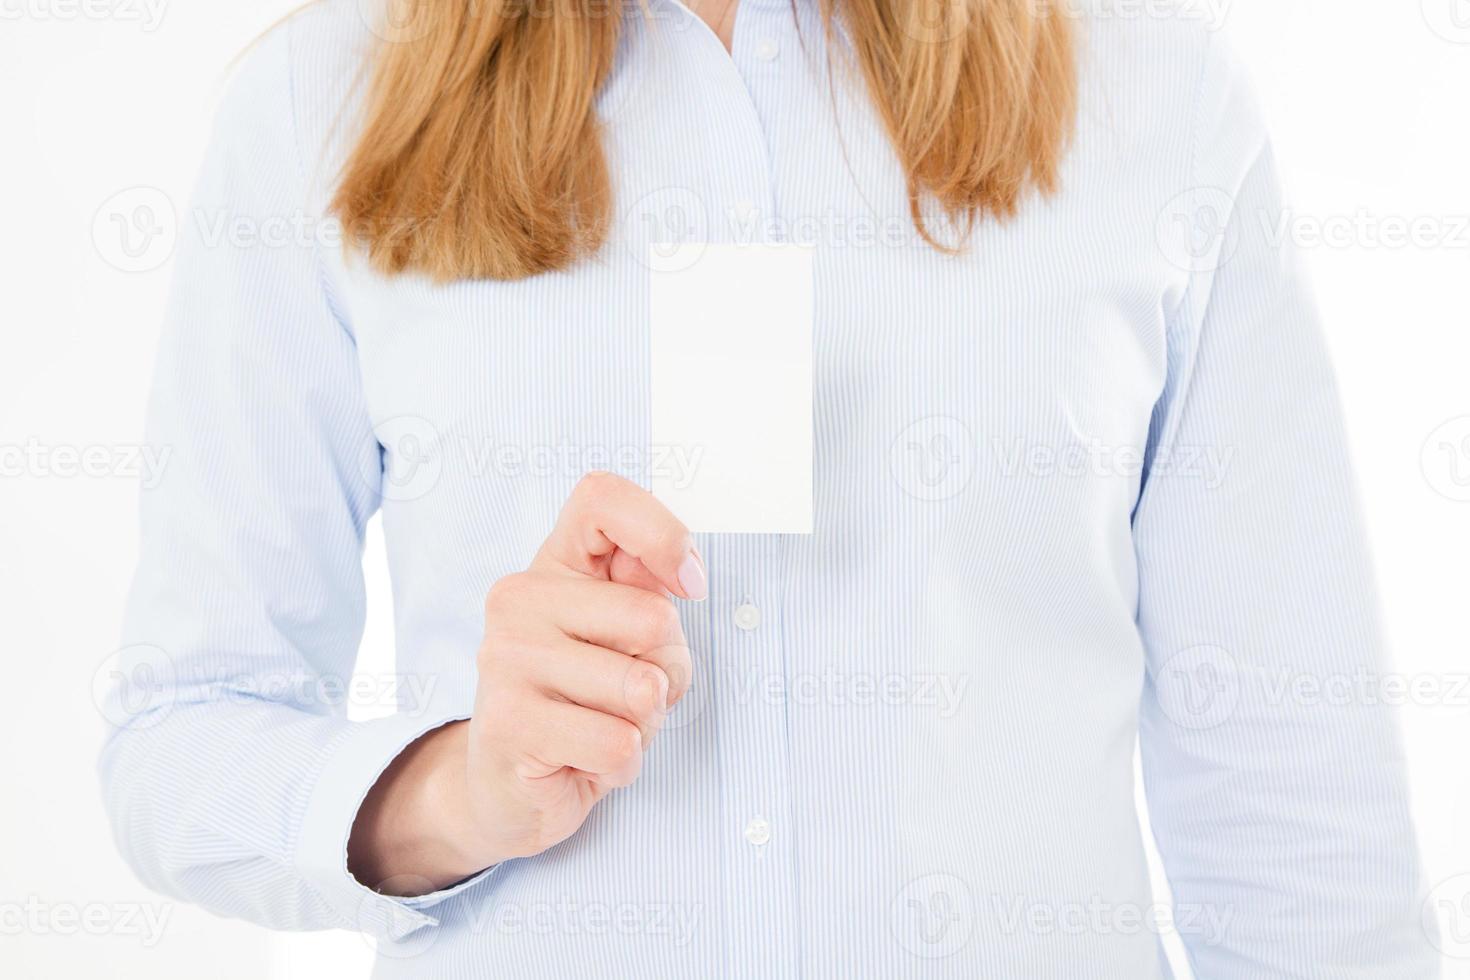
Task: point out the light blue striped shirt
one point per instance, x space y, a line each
1080 487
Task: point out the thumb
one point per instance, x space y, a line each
626 569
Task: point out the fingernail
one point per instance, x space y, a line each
692 577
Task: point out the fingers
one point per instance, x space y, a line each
607 513
561 734
639 624
584 652
621 618
600 679
631 621
610 648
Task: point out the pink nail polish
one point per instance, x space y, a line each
692 577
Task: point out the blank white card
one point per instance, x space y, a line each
731 338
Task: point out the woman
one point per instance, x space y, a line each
1079 481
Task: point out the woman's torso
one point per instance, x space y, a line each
931 701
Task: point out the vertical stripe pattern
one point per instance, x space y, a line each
1079 487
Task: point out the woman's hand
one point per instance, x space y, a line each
582 658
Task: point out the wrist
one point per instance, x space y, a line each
414 832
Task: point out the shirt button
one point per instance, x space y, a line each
767 49
758 831
747 616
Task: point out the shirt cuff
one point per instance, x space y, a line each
320 856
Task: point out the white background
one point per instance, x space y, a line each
1368 101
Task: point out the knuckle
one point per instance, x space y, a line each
648 692
680 671
595 485
508 592
621 778
657 621
622 744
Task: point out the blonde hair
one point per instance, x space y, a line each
480 153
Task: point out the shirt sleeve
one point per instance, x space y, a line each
230 772
1272 762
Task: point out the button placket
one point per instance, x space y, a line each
760 863
762 34
745 659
